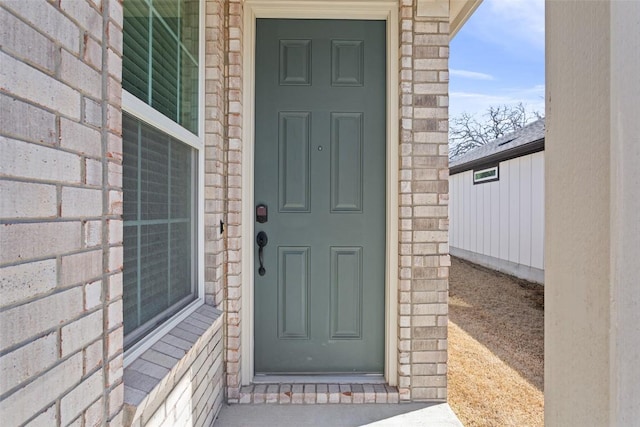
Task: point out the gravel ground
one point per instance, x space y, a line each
496 347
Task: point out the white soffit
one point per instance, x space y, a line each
458 11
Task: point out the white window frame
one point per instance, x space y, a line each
495 177
142 111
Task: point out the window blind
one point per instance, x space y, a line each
159 226
160 57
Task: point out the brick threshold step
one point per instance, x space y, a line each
313 394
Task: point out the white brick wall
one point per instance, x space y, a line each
59 253
26 121
179 380
38 162
424 257
42 391
23 80
31 359
40 203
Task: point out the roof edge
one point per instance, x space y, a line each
461 11
502 156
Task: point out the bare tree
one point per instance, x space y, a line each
467 133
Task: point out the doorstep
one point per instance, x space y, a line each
311 394
339 415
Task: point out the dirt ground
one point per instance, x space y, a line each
496 348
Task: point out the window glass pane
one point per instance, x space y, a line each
154 175
181 175
165 60
189 93
169 11
130 168
485 175
154 270
160 57
189 29
159 244
189 33
135 59
130 279
181 270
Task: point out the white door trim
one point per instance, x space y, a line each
320 9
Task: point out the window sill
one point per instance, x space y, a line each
152 376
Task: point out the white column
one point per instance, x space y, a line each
592 286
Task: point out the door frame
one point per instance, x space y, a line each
386 10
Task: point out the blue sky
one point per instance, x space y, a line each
497 58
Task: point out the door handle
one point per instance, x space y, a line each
261 240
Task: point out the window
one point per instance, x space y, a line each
159 180
160 61
486 175
161 151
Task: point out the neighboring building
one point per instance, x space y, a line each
133 135
496 204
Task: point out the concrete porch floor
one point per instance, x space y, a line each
403 414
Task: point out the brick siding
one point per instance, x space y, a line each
233 277
179 380
424 259
60 277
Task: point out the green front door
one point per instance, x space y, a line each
320 138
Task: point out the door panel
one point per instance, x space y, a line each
346 162
346 293
293 291
320 168
347 63
295 62
293 164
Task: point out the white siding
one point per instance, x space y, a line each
514 210
503 219
486 235
503 185
495 221
537 217
525 210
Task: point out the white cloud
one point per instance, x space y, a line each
470 74
477 103
528 13
515 24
